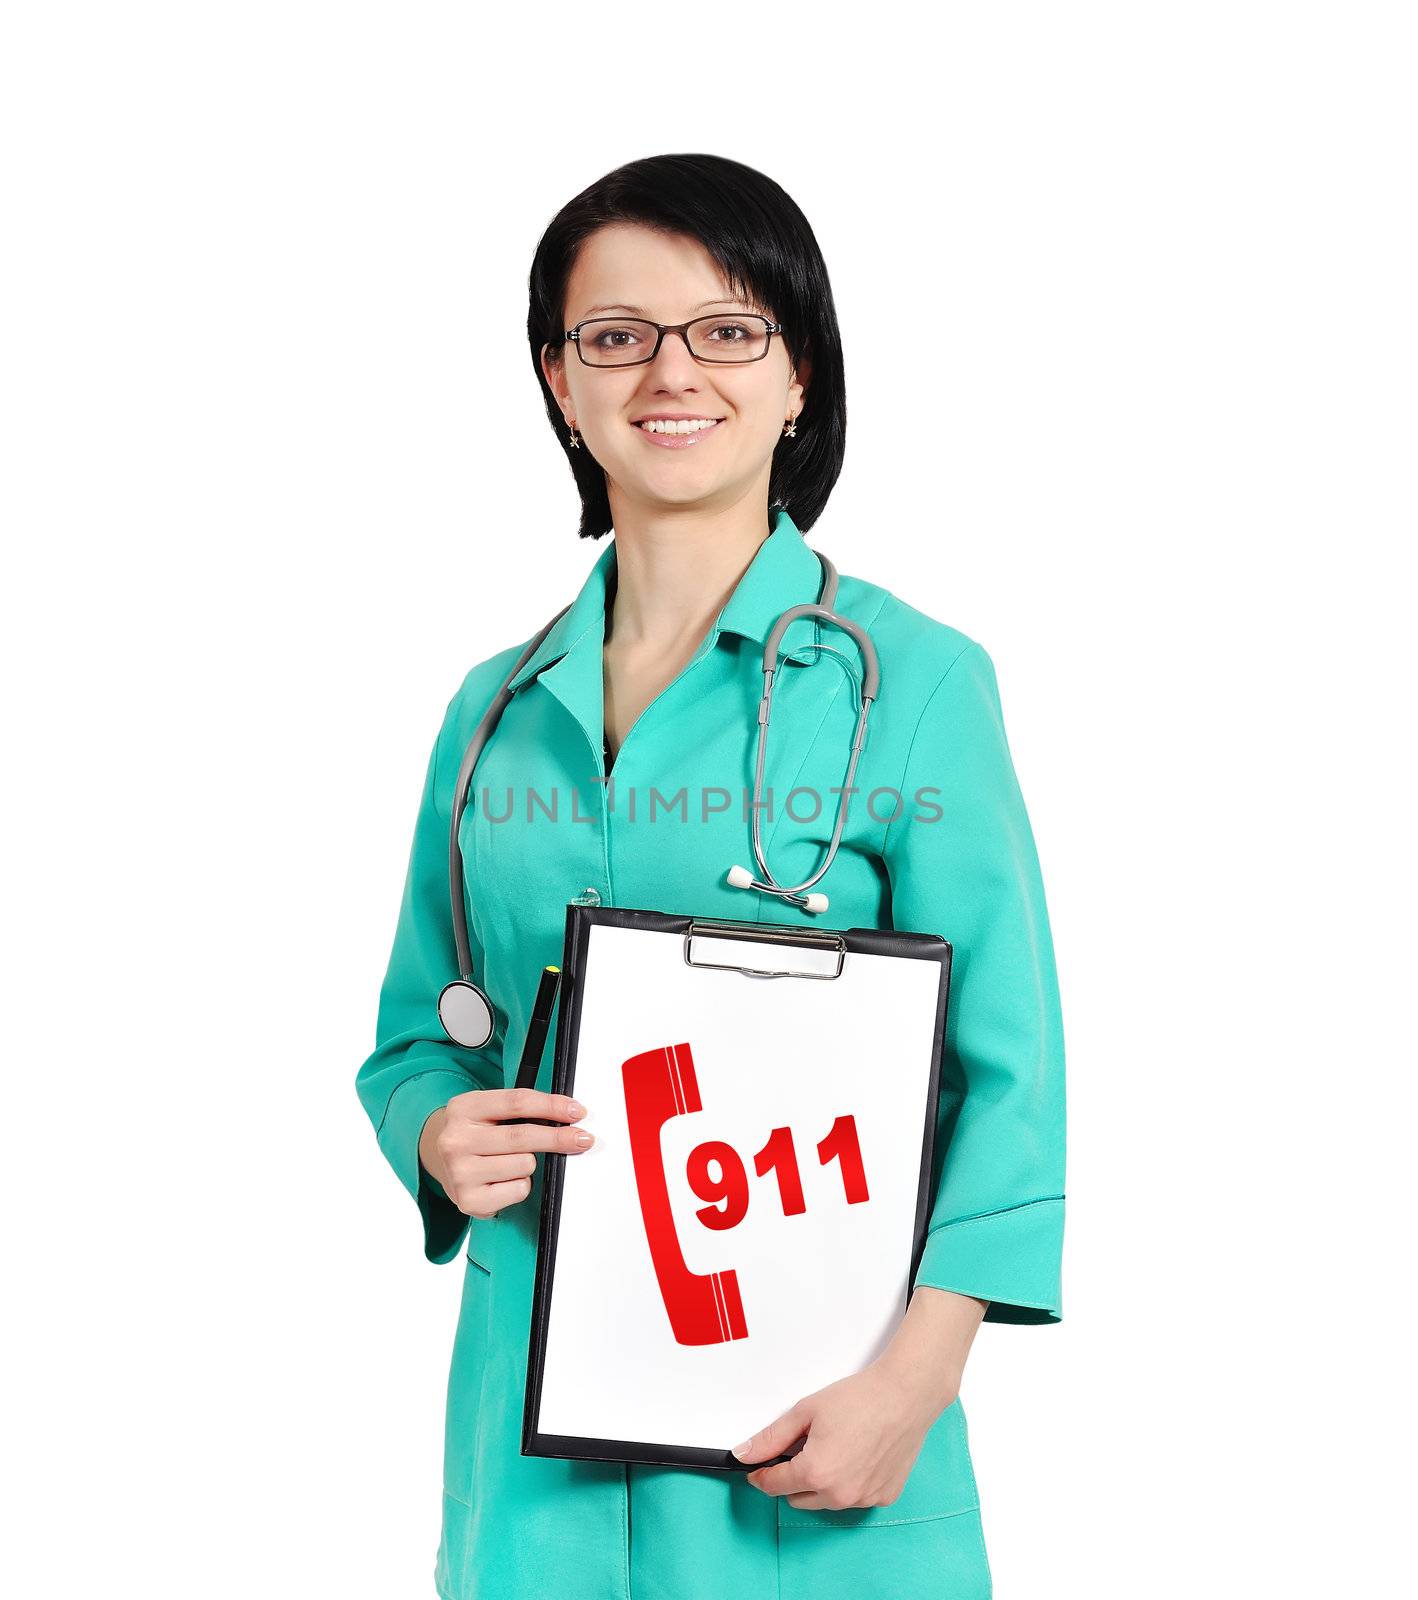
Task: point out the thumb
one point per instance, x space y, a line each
777 1436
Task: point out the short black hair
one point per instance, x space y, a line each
767 252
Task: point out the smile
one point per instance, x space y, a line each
676 434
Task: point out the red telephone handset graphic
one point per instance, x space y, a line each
703 1308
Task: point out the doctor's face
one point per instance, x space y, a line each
626 270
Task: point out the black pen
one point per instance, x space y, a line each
537 1037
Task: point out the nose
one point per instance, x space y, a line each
673 358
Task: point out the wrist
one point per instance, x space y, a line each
926 1357
428 1146
927 1385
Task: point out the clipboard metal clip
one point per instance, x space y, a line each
823 953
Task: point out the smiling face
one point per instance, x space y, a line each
624 269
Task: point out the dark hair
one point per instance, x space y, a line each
766 251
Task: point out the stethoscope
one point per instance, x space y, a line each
464 1010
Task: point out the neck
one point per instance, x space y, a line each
674 571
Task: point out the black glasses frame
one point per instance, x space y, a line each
682 329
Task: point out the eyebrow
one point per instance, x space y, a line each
640 311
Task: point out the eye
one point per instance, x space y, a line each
730 333
615 338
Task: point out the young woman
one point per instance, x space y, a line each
682 327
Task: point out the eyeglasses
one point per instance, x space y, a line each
624 341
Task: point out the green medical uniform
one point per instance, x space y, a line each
956 859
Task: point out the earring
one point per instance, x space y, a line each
791 431
574 441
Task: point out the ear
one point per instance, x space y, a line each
554 371
802 374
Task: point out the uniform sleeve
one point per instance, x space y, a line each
962 864
414 1068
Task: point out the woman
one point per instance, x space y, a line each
651 680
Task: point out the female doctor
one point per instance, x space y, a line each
682 327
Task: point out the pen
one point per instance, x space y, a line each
537 1037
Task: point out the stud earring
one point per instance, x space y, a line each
791 431
573 441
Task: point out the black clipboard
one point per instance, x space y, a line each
724 952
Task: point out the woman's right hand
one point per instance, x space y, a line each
481 1153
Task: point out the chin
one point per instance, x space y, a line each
676 486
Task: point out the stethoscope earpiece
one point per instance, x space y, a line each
741 878
466 1014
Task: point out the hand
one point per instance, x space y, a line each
483 1160
863 1436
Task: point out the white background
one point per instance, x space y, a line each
1127 300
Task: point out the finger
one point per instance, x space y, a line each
502 1105
498 1169
515 1136
497 1196
789 1477
777 1436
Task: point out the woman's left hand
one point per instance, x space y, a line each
863 1436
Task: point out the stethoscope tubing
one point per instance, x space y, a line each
871 681
464 989
481 734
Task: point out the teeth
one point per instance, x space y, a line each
680 425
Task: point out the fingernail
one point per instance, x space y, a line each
576 1109
741 1450
583 1139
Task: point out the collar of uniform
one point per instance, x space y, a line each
784 572
586 611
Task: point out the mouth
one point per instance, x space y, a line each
678 433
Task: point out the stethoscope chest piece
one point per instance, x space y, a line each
466 1014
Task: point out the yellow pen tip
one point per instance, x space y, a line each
553 969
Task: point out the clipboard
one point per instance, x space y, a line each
748 1225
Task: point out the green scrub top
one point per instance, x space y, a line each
957 860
